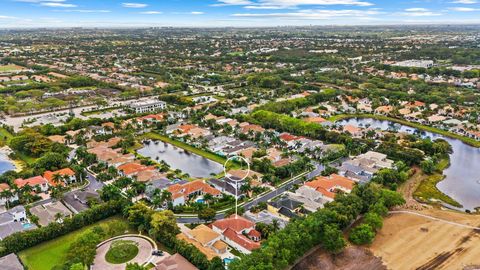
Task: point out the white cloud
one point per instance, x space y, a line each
464 9
233 3
134 5
57 4
419 12
466 2
287 4
152 12
85 10
197 12
39 1
3 17
318 14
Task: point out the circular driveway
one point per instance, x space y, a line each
145 248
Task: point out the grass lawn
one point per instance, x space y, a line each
5 136
464 139
54 252
211 156
428 191
121 251
10 68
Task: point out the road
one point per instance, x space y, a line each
262 198
93 185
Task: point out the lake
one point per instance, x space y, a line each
462 180
6 163
178 158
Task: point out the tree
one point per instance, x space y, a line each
332 239
207 214
362 234
110 192
164 224
51 161
77 266
140 214
216 264
374 220
428 166
134 266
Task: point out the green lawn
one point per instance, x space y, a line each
10 68
121 251
5 136
466 140
53 252
428 191
211 156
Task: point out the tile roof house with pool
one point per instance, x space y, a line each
239 233
181 193
208 241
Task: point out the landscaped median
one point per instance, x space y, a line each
464 139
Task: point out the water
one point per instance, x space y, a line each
5 163
178 158
27 226
462 178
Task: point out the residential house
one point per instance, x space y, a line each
174 262
285 207
34 182
239 233
13 198
330 186
206 240
11 262
66 176
47 213
14 220
182 193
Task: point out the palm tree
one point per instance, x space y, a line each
6 194
58 216
208 198
275 225
57 179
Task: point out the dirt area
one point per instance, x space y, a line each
350 259
408 188
413 242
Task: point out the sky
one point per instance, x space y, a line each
236 13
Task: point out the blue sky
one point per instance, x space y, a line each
212 13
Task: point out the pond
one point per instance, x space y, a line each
178 158
462 178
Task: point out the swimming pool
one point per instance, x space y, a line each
27 226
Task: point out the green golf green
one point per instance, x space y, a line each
121 251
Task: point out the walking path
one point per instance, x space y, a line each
436 219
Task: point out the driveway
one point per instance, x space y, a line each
144 255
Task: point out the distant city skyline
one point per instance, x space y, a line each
236 13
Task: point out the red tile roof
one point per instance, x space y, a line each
328 185
237 224
186 189
33 181
133 168
49 175
241 240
